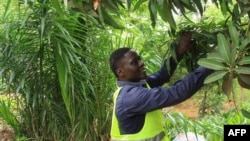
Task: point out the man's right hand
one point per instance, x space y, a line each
185 43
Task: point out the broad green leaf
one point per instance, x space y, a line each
223 47
242 70
244 43
234 34
245 113
215 76
211 64
215 56
245 60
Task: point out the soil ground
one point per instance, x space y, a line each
190 108
6 133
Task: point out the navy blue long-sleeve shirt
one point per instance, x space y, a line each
135 100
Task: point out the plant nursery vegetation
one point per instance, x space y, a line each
56 84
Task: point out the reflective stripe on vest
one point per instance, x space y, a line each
152 129
158 137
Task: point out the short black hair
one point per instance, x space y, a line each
116 57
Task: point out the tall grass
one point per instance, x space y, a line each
46 58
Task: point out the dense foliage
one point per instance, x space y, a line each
54 60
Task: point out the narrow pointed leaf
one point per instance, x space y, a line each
188 5
211 64
245 113
179 5
244 61
223 47
112 5
108 19
62 77
129 2
223 7
215 76
199 6
42 27
242 70
153 12
138 3
165 11
56 5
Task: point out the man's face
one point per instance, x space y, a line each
131 68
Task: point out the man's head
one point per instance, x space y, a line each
127 65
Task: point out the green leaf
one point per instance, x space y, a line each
215 76
245 60
199 6
153 11
108 19
245 78
129 2
244 43
234 34
112 5
245 113
215 56
223 47
243 81
138 3
188 5
242 70
56 5
211 64
223 7
164 8
179 5
236 13
62 77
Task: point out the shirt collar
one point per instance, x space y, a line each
123 83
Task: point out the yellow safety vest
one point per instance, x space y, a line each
152 129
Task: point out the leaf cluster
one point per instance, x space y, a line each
230 60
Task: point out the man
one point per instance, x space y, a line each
137 108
